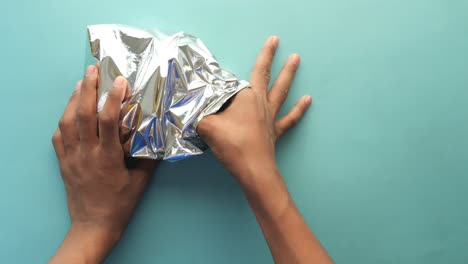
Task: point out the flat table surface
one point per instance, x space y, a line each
378 166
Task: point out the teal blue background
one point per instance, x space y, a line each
378 166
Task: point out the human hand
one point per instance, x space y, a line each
102 191
243 138
244 134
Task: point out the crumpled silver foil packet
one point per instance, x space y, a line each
174 82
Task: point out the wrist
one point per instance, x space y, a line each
252 171
97 233
96 240
86 243
265 189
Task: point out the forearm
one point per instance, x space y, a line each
85 244
287 234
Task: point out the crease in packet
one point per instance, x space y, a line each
174 82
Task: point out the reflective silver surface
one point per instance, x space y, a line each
174 82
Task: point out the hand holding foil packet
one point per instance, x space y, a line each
174 82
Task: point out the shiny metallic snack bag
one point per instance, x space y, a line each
174 82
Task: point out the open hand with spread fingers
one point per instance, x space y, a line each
246 131
243 138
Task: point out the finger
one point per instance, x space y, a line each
109 116
58 145
293 116
262 69
67 124
207 126
280 88
98 67
87 116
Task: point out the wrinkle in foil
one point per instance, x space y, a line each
174 82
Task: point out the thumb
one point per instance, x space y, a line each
206 128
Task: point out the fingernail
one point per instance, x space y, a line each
78 85
91 69
274 40
119 81
295 58
308 99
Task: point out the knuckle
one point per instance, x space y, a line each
107 119
266 73
62 124
251 98
292 122
89 79
72 168
294 119
284 92
83 115
114 97
84 159
65 172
